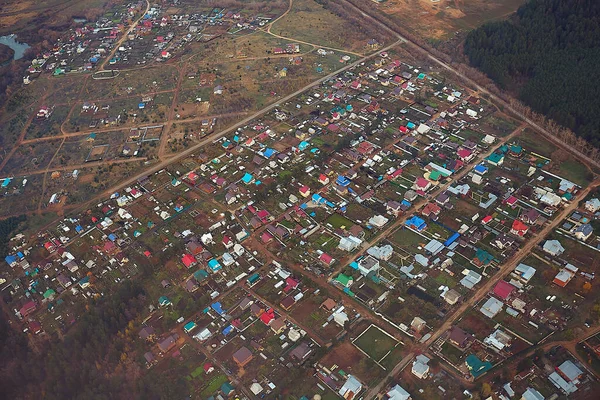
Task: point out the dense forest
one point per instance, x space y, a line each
548 54
7 227
93 360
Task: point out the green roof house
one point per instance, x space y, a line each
344 280
227 389
476 366
164 301
495 159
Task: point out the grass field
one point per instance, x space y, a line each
310 22
337 221
375 342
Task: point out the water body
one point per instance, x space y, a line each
11 41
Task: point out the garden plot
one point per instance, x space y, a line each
377 345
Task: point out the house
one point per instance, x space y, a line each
328 304
27 308
323 179
569 371
326 259
553 247
287 302
431 210
340 317
383 253
491 307
168 343
583 232
398 393
301 352
530 216
442 199
532 394
477 367
351 388
459 338
242 357
208 368
304 191
191 285
218 90
368 264
421 184
495 159
465 155
451 296
393 207
471 278
227 242
482 258
519 228
149 357
503 289
349 243
503 241
564 276
592 205
147 333
277 325
420 367
188 260
524 272
498 340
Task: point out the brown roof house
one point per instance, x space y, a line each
278 325
242 357
168 343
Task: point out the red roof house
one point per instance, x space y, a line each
268 316
27 308
503 289
519 228
188 260
326 258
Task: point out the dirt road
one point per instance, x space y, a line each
372 16
124 37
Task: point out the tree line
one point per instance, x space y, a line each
548 56
471 76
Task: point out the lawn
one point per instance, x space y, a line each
576 172
214 385
338 221
375 342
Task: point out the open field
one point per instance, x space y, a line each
311 22
440 19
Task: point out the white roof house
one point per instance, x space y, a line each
570 371
525 272
553 247
349 243
491 307
381 252
420 367
592 205
532 394
351 388
471 278
398 393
